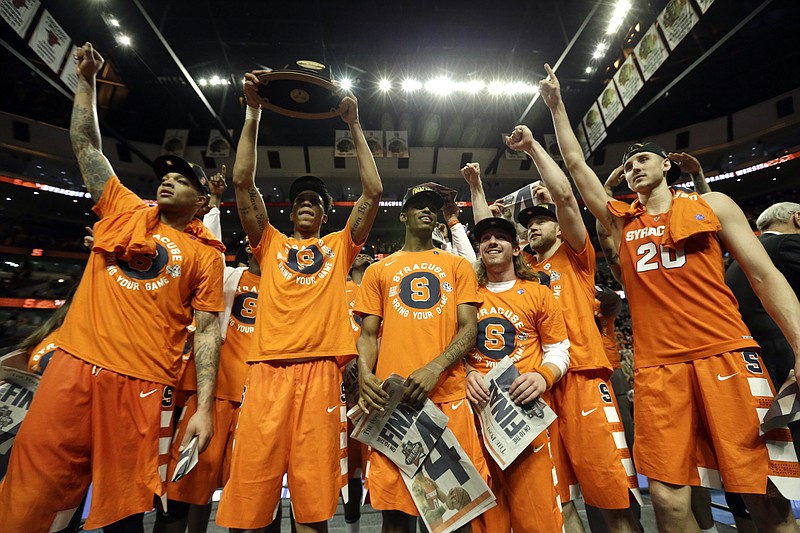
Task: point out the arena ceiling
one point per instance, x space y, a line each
369 40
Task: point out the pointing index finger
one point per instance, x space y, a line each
550 73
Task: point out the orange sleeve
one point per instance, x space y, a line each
585 260
466 283
208 294
369 300
550 319
116 198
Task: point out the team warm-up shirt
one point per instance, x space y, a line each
417 295
304 312
239 340
516 323
572 282
131 317
42 353
681 308
605 324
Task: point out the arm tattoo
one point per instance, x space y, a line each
461 345
85 136
362 210
611 256
207 341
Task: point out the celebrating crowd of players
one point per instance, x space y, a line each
268 401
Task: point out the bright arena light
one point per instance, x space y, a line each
124 40
497 87
620 10
410 85
385 85
346 84
114 22
472 86
441 86
599 50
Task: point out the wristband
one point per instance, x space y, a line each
453 222
547 374
253 112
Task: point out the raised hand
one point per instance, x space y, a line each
250 87
89 61
550 88
217 182
349 108
615 178
520 140
687 162
472 173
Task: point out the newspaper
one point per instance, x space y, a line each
447 490
16 393
403 434
784 409
187 460
509 428
350 383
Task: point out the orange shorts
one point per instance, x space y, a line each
213 467
86 424
588 439
388 491
698 420
527 497
292 421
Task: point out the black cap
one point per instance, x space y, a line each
423 191
541 210
310 183
674 171
496 223
169 163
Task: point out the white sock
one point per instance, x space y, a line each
712 529
352 527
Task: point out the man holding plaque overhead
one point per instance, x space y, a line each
292 416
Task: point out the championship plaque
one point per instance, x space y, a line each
303 89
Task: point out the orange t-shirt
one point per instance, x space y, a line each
681 309
350 290
572 282
605 324
239 341
417 295
41 354
516 323
131 317
303 296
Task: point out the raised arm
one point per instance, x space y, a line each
206 357
771 287
585 179
249 202
480 207
607 245
366 207
423 380
569 213
84 128
691 166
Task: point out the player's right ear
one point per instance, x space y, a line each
403 217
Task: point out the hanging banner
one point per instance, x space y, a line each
218 145
343 145
628 80
69 76
397 144
593 122
704 5
610 103
650 52
19 14
677 20
174 142
375 142
50 42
